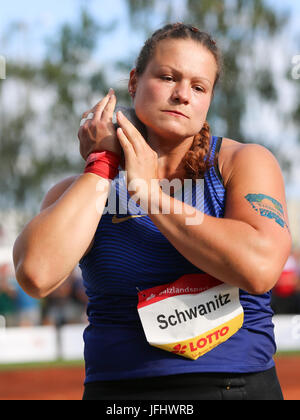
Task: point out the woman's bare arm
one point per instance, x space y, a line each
50 246
250 245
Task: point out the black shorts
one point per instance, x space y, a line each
191 386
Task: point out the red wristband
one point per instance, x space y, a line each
104 164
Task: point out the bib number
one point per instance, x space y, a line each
190 316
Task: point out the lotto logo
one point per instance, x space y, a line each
202 344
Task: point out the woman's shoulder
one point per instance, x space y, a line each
56 191
234 153
233 148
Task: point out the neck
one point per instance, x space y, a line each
170 154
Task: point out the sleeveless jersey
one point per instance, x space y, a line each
130 254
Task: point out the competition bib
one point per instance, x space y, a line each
190 316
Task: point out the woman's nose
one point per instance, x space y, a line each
181 94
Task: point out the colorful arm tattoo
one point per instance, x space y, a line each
268 207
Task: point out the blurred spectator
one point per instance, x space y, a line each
7 296
18 308
28 309
67 304
285 297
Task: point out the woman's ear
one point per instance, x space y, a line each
132 84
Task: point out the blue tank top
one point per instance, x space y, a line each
131 254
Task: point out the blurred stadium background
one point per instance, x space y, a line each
58 59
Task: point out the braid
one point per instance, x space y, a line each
197 159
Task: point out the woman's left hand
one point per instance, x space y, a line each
141 162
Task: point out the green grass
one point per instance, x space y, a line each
287 354
42 365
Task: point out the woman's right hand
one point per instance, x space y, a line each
99 133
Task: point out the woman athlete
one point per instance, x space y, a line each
241 239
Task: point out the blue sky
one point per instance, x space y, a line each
43 17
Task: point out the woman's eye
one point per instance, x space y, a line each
199 88
167 78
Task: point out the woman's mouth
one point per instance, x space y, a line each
175 113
